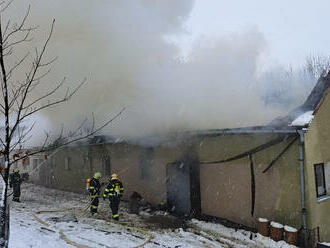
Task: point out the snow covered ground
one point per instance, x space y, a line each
78 226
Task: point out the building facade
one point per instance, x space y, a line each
277 171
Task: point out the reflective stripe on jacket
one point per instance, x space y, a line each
94 188
114 189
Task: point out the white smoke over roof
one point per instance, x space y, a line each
122 47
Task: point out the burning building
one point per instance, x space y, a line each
279 171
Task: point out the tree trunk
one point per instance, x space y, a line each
4 210
4 221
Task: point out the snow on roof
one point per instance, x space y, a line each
303 120
313 102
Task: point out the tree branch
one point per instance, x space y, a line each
17 64
6 6
50 104
49 148
30 79
19 28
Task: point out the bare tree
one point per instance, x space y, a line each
18 101
317 66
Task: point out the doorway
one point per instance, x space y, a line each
178 188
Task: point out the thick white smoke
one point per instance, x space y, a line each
122 47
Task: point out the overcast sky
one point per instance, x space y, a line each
293 29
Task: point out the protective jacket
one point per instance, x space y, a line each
94 191
15 179
114 191
15 183
94 188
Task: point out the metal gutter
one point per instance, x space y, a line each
301 133
245 131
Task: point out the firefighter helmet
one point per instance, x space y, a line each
16 170
97 175
114 176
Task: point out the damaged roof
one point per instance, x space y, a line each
182 136
312 103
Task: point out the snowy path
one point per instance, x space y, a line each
167 231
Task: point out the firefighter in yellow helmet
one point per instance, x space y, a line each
94 191
114 191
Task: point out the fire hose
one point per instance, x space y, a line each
75 244
70 242
144 232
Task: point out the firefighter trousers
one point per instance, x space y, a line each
94 204
16 192
114 205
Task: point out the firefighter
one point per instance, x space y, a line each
114 191
94 191
15 181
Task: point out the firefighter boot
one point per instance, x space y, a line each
115 217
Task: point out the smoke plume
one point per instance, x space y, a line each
124 51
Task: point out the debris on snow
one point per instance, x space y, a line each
69 217
241 238
81 228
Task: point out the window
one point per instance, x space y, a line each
52 162
146 163
106 165
322 179
26 161
67 163
35 163
327 177
85 161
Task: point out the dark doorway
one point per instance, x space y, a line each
178 188
183 190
